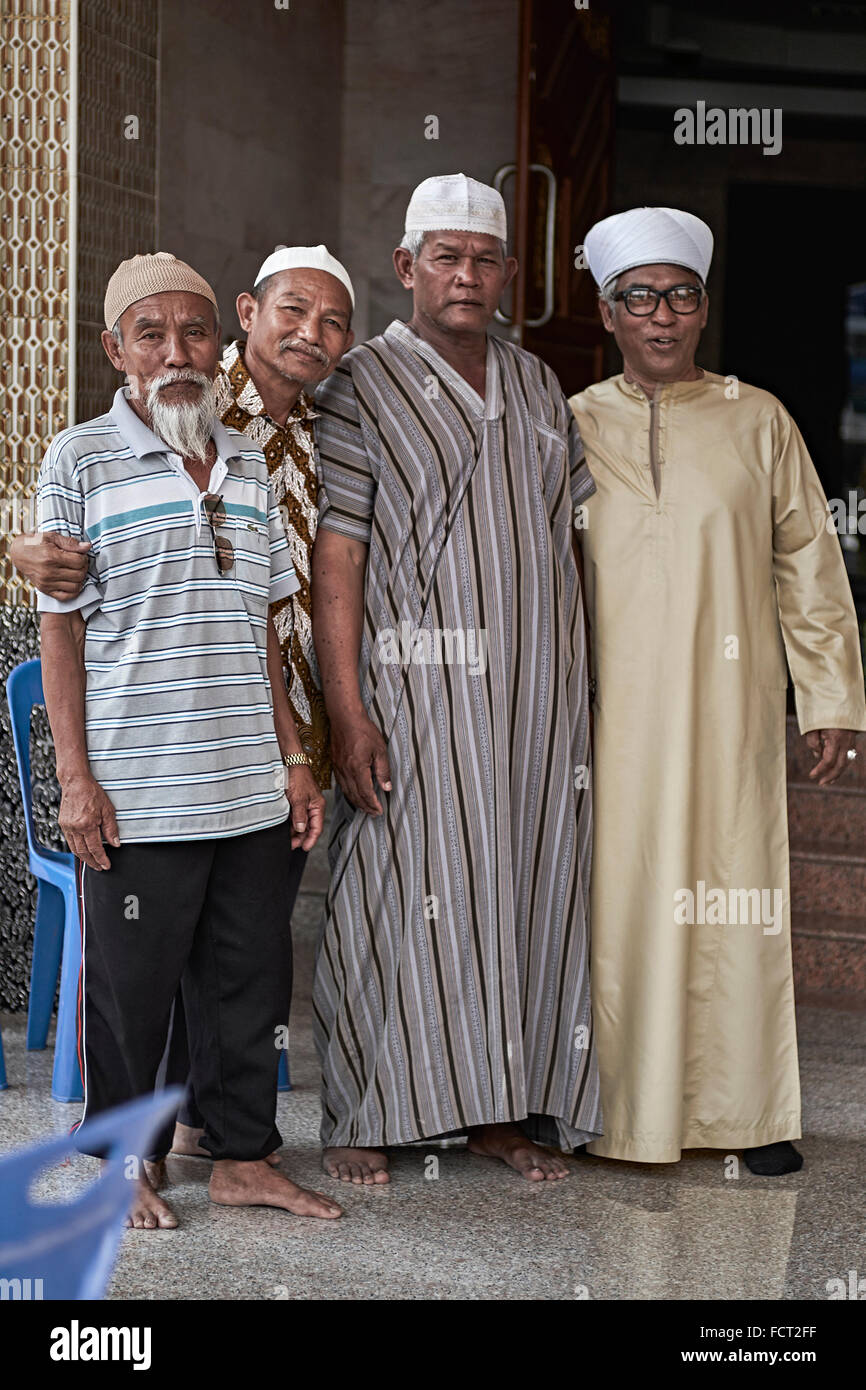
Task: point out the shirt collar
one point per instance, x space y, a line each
489 409
669 388
246 395
142 440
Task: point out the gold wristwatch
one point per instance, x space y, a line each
296 760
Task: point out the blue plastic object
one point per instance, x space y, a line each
67 1251
57 931
284 1081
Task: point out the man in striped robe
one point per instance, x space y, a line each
451 991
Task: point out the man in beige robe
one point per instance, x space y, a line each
709 559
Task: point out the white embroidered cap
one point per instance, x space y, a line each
453 202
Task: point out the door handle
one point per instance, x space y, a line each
502 173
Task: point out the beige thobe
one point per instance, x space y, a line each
695 596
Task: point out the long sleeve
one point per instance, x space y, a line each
816 610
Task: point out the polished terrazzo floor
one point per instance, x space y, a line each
472 1230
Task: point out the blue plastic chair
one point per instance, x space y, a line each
57 931
67 1251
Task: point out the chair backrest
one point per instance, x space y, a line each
23 691
68 1251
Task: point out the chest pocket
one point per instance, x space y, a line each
552 451
252 551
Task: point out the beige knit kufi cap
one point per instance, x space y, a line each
151 274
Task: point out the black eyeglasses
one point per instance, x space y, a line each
222 547
641 301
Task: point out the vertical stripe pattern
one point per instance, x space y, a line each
452 981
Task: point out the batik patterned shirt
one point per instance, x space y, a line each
290 452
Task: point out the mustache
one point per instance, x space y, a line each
305 349
159 383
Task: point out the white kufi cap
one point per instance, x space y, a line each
648 236
455 203
306 258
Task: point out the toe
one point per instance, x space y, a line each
312 1204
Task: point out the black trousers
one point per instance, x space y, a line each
178 1065
214 914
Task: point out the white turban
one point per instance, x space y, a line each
648 236
305 258
452 202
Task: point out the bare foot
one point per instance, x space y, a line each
256 1184
185 1144
508 1142
148 1211
154 1171
356 1165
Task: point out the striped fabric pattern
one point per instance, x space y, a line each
179 720
452 983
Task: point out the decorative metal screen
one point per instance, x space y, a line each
34 233
114 70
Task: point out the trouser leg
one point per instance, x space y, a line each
236 992
139 923
178 1066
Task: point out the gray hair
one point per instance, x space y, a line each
413 242
608 291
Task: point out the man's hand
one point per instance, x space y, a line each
308 807
55 565
830 747
359 754
86 816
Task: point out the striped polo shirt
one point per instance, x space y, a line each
179 715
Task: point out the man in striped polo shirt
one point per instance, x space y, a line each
171 722
297 323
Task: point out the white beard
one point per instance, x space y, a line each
186 427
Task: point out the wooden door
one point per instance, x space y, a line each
563 182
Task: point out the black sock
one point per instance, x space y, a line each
771 1160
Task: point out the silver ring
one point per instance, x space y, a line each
851 755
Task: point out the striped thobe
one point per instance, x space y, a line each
452 974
